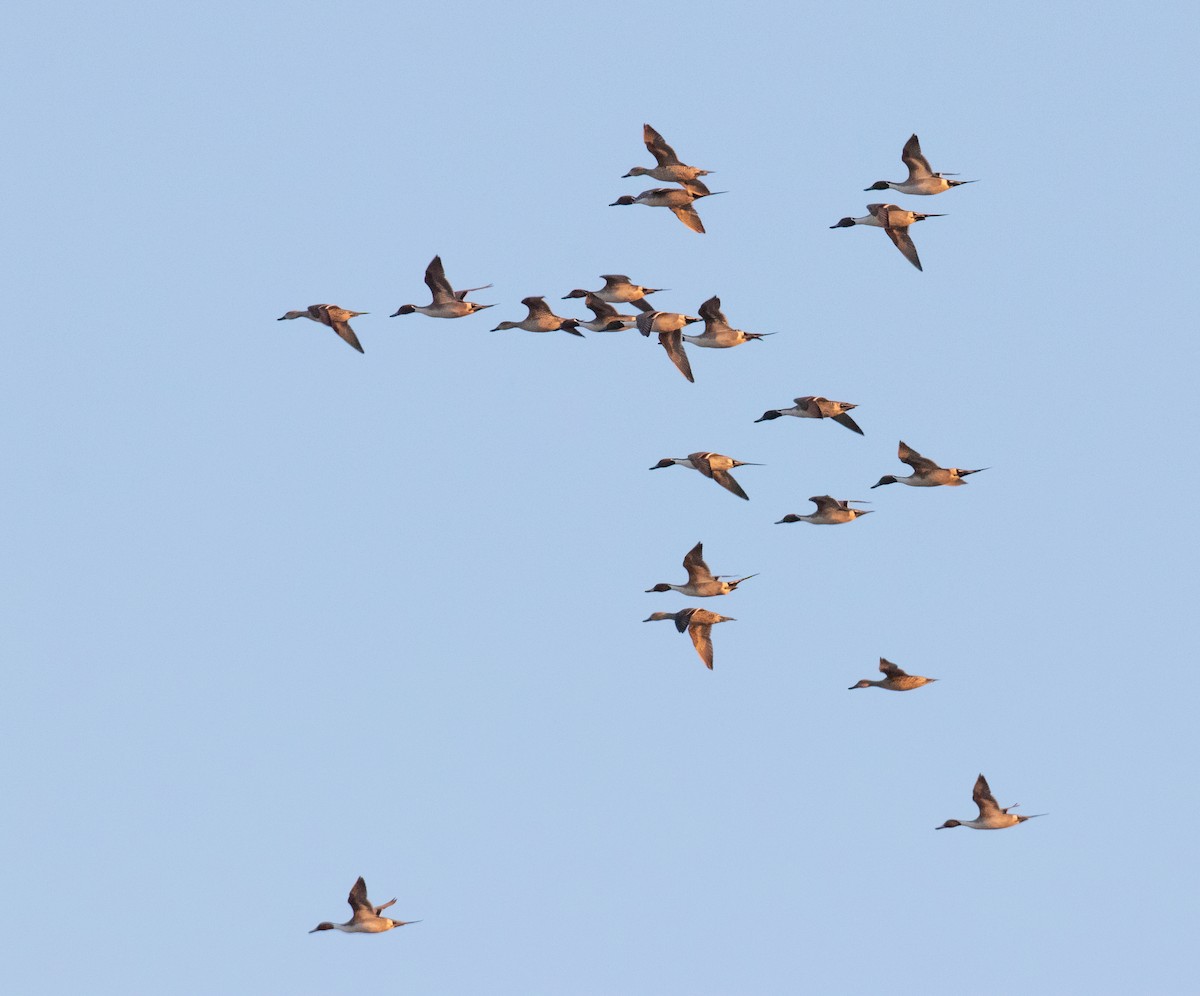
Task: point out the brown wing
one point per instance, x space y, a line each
982 795
903 241
538 308
826 503
695 188
914 459
687 214
723 478
702 463
601 309
347 333
435 280
701 634
890 669
663 154
358 897
645 321
693 563
672 342
714 317
380 909
914 159
848 422
642 305
682 618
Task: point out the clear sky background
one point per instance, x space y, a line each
279 615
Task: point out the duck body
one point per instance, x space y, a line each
921 181
715 466
991 816
926 473
812 406
701 582
541 319
895 221
447 302
618 289
667 168
830 512
606 318
331 316
365 917
718 333
679 200
698 624
668 325
894 679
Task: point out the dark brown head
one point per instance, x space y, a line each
622 200
845 223
768 416
577 292
322 926
948 824
404 309
788 518
661 586
878 185
664 462
886 479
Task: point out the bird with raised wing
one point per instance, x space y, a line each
895 221
926 473
680 200
618 289
701 582
365 918
712 465
718 333
668 326
698 623
668 169
447 302
541 319
331 315
991 816
921 179
830 512
813 406
894 680
606 317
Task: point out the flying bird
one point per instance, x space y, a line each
830 512
541 319
365 918
712 465
698 623
701 582
895 221
667 325
991 816
447 302
668 169
718 333
894 679
606 317
921 179
336 318
618 289
813 406
680 200
926 473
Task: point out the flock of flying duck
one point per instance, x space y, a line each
618 289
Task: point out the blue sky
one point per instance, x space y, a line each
279 615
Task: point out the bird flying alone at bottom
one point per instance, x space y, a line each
812 406
894 679
365 918
991 816
713 465
895 221
331 315
699 624
830 512
926 473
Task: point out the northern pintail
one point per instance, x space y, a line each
813 406
447 302
336 318
607 319
926 473
712 465
701 582
618 289
540 319
895 221
921 179
991 816
699 624
667 325
894 679
365 918
679 199
830 512
718 333
669 168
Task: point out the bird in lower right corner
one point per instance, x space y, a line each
895 221
991 816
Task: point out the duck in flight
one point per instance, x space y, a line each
712 465
668 168
698 623
718 333
336 318
606 317
921 179
926 473
541 319
365 917
813 406
830 512
895 221
618 289
447 302
894 680
991 816
701 582
668 326
680 200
